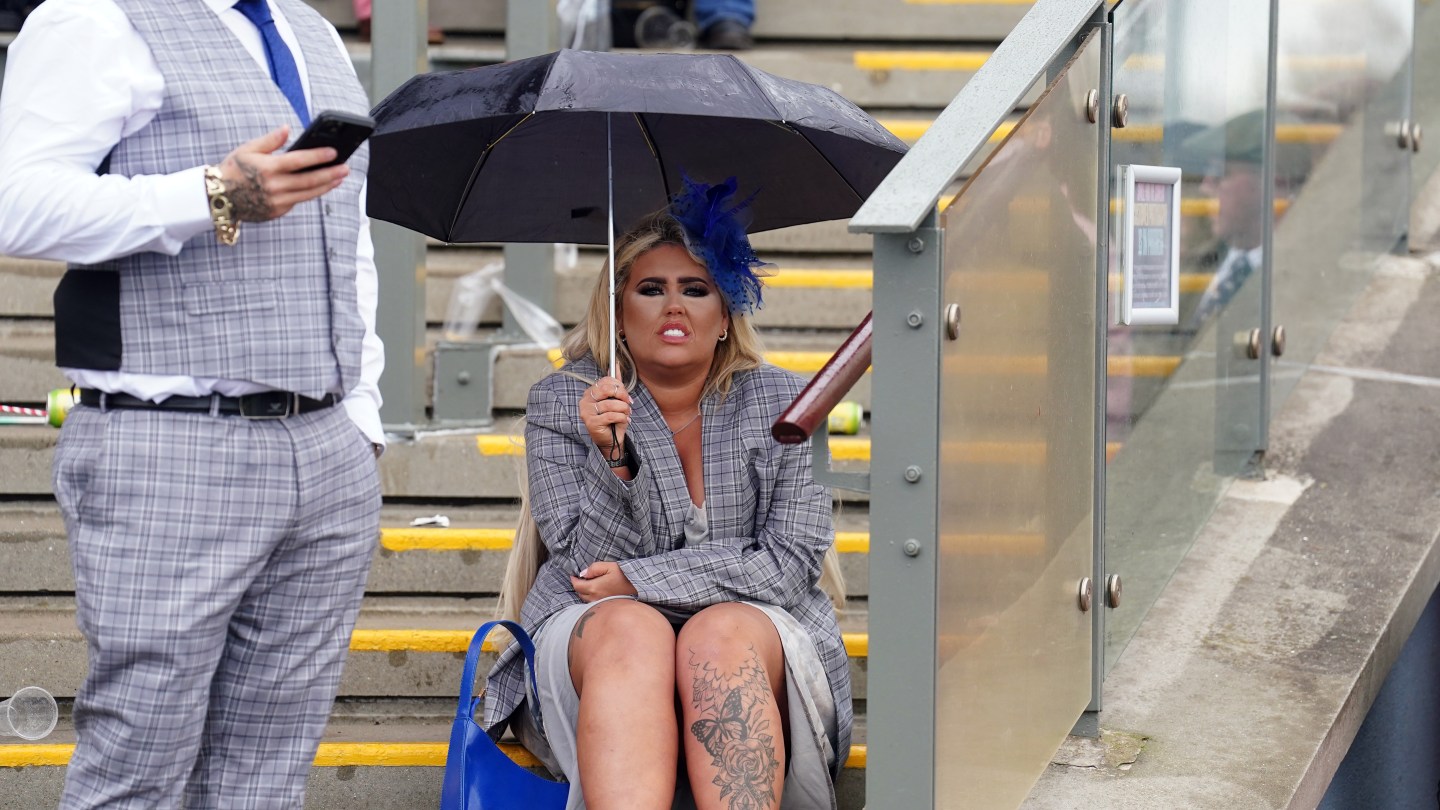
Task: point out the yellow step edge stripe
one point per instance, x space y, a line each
1142 366
437 539
1031 282
920 60
857 645
1298 62
843 448
331 755
433 539
1005 453
426 641
852 542
1189 282
811 362
805 278
1284 133
799 362
913 129
1036 365
847 448
458 641
1201 207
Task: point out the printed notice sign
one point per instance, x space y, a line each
1150 245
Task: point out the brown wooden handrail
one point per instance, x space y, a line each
827 388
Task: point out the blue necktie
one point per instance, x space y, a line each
282 63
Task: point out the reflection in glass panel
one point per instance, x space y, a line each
1343 88
1183 407
1017 402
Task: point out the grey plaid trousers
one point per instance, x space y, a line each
219 566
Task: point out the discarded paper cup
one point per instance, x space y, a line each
58 404
29 714
845 418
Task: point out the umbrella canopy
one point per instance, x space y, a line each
518 152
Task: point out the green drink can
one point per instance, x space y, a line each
57 404
846 418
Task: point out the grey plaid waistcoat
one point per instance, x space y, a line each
770 522
279 308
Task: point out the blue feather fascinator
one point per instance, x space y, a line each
714 228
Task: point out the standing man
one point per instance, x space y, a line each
1234 177
218 481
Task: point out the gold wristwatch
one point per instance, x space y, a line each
222 213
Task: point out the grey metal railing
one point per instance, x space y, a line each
399 52
919 633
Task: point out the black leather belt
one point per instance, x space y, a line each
264 405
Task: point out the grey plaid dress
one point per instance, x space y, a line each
770 523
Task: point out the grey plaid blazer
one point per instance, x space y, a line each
770 523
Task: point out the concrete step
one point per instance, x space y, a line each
872 75
27 361
433 465
803 292
466 559
402 647
375 755
780 19
470 465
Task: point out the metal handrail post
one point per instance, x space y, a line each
1105 188
398 52
531 29
902 687
465 372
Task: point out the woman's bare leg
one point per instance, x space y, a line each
622 661
729 670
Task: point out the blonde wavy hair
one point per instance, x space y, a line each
741 351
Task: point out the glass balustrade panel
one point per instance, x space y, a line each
1183 400
1017 410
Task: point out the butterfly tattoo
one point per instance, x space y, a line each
729 727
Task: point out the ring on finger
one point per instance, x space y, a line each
597 409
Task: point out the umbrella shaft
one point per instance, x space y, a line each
610 230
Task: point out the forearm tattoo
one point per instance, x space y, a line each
735 732
247 195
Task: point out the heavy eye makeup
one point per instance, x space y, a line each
693 287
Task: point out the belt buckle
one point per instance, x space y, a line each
269 405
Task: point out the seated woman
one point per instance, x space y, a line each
677 613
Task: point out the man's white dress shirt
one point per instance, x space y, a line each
78 79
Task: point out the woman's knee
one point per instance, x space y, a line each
621 634
728 635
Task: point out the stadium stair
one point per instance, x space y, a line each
901 59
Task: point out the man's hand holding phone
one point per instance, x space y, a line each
264 184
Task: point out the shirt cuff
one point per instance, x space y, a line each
181 203
362 411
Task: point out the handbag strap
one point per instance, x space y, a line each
465 708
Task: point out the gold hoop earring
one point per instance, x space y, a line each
725 335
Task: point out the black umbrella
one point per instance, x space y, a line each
518 152
560 147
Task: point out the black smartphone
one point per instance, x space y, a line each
344 132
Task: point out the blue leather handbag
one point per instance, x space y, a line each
478 775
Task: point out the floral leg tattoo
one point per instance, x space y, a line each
735 732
